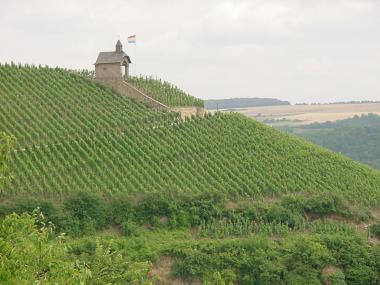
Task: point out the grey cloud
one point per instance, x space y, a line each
298 50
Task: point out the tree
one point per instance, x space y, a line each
31 253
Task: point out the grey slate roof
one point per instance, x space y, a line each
112 57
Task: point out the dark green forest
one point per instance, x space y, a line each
358 138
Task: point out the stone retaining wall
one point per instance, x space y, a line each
124 88
188 112
127 89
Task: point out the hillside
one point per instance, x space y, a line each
357 137
74 135
164 92
101 189
232 103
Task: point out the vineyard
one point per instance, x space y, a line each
74 135
221 199
164 92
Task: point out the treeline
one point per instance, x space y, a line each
340 103
357 138
214 104
278 252
85 213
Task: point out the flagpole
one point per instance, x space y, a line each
136 58
132 40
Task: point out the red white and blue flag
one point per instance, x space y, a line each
132 39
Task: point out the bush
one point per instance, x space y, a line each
204 207
155 206
294 204
360 274
130 228
181 219
88 209
303 275
30 253
279 214
336 278
220 278
304 251
322 204
120 211
375 230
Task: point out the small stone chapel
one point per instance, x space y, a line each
109 71
110 64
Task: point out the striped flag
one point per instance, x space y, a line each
132 39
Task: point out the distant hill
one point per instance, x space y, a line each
357 138
242 103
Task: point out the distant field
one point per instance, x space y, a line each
306 114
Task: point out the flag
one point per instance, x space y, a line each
132 39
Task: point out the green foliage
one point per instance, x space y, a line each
110 267
335 278
297 259
360 263
88 209
242 226
303 275
375 230
92 160
325 204
31 253
357 137
130 228
307 252
164 92
85 213
293 259
27 256
219 279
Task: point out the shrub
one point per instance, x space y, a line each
375 230
282 215
336 278
130 228
204 207
322 204
88 209
303 275
120 211
294 204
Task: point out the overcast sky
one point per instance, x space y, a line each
297 50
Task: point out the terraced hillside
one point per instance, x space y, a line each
146 198
164 92
74 135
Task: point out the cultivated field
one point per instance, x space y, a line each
305 114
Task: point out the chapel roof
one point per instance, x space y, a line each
117 56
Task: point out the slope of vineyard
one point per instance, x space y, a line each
74 135
164 92
40 105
